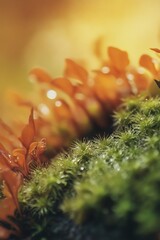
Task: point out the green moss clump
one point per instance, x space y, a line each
106 189
49 185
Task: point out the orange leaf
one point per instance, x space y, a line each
98 47
6 162
63 84
155 50
7 128
40 146
12 183
118 58
74 70
19 156
28 132
36 149
8 136
7 208
5 233
40 75
2 148
3 165
105 87
14 163
147 62
20 100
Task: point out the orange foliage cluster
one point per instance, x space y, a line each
68 107
14 167
76 103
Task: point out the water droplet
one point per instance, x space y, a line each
131 81
103 156
43 109
16 159
130 76
90 82
105 69
58 103
74 160
154 61
119 81
140 70
116 166
32 78
79 96
111 160
51 94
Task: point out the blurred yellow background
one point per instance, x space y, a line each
45 32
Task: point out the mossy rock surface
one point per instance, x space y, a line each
105 189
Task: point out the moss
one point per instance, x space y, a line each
107 188
49 185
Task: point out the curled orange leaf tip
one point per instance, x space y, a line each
155 50
28 132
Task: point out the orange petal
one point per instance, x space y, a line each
28 132
74 70
62 112
41 146
142 82
37 148
40 75
147 62
16 98
12 183
118 58
6 162
7 136
63 84
32 147
98 47
105 87
6 127
7 208
3 164
155 50
20 158
5 233
2 148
